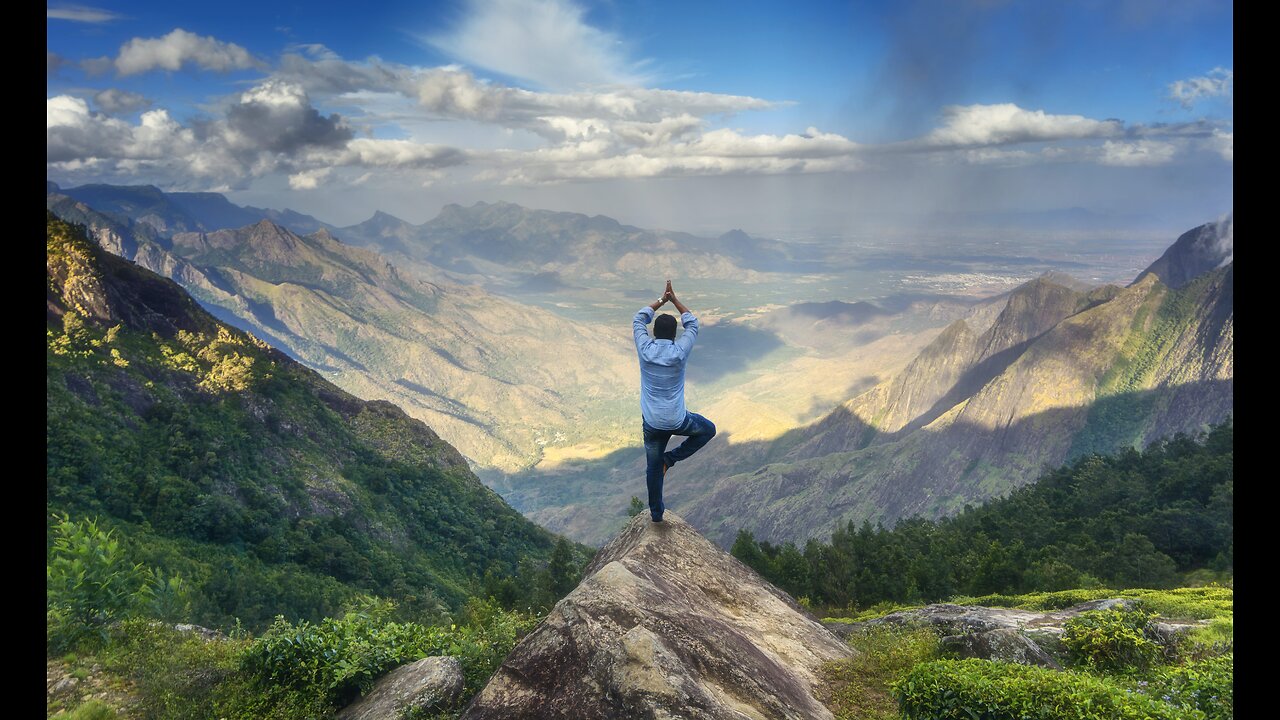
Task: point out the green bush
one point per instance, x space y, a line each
90 584
338 659
1205 685
1192 603
968 689
1112 640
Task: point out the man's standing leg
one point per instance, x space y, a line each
655 445
699 431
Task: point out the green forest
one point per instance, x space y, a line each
1146 519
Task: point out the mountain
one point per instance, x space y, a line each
666 625
269 488
488 374
1196 252
1059 373
168 213
490 238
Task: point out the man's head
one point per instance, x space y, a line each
664 327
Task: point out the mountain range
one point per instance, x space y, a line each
478 367
222 458
957 404
1060 373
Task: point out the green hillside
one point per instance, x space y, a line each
1135 519
217 457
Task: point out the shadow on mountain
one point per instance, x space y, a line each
726 348
779 496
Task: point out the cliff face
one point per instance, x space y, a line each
666 625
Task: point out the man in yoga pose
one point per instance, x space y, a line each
662 361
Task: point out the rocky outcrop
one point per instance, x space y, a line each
1027 637
666 625
429 684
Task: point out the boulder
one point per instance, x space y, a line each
432 683
1030 637
665 624
1003 644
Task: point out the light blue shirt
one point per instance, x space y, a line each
662 370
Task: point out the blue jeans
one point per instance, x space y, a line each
698 431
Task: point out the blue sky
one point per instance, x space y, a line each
653 111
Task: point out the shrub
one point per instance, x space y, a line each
967 689
90 584
336 660
1111 640
1205 685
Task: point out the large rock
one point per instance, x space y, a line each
432 683
1028 637
1003 644
666 625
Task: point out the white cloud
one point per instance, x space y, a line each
1007 124
1219 82
309 179
179 48
607 154
1139 153
546 42
116 101
76 135
80 13
369 152
1223 143
271 128
53 61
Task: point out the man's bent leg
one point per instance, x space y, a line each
655 444
699 430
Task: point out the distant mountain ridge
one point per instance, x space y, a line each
503 235
170 212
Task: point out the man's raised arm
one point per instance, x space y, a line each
687 319
643 317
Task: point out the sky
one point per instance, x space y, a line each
778 117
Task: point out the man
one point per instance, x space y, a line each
662 361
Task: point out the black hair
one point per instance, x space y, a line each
664 327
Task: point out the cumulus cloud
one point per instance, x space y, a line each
1007 124
114 101
80 13
79 137
547 42
277 116
270 128
1219 82
180 48
309 179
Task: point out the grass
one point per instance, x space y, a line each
1212 602
861 688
